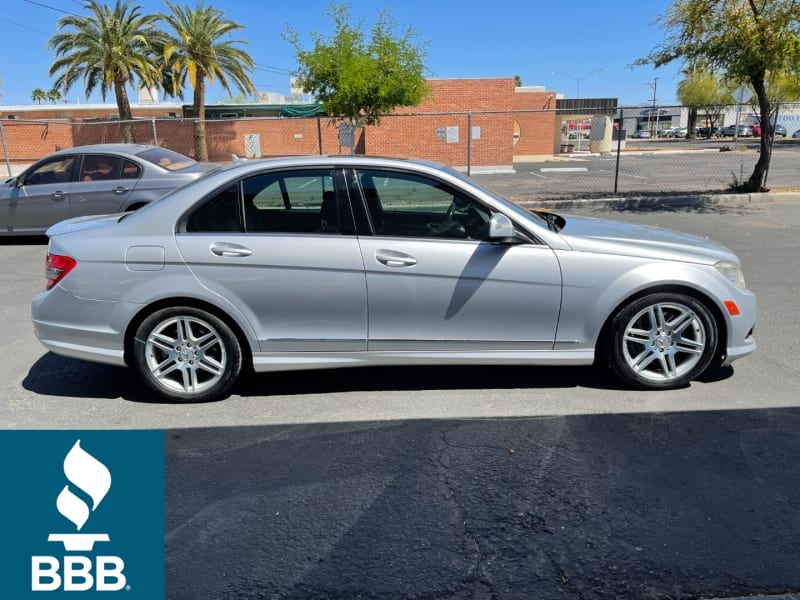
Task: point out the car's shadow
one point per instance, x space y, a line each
55 375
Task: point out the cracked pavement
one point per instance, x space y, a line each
678 505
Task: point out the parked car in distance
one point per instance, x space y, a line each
796 134
743 131
678 132
779 130
340 261
641 133
708 132
91 180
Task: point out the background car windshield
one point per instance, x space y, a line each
172 161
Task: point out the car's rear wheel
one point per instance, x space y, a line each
187 355
661 341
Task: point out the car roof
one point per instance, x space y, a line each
340 160
116 147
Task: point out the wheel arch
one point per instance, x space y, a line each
713 308
133 325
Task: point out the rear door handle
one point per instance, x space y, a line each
121 190
392 258
226 249
58 195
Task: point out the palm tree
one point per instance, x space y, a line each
197 51
53 95
38 95
108 48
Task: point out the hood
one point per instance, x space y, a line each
632 239
83 224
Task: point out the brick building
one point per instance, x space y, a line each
482 123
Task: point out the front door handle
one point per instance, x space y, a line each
392 258
58 195
226 249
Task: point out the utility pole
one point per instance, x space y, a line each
654 85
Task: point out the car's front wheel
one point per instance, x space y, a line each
661 341
186 354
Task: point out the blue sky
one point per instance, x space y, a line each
560 45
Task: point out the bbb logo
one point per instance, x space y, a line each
89 481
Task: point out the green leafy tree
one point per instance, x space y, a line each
704 91
744 40
108 49
361 79
38 95
200 51
781 87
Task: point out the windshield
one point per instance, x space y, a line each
172 161
517 209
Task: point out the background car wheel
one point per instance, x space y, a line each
187 355
661 341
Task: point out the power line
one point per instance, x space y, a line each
270 69
258 67
66 12
25 26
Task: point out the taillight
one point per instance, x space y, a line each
57 267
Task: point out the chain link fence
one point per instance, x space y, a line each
585 151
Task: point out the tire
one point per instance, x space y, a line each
661 341
185 354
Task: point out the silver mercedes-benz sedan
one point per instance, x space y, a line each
341 261
91 180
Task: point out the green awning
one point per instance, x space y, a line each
302 110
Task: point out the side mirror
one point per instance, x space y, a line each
501 230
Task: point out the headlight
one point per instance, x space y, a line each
732 272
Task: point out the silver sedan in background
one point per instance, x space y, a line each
342 261
91 180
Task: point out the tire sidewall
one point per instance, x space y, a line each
233 351
615 340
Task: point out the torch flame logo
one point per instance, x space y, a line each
88 474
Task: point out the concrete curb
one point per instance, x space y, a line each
657 202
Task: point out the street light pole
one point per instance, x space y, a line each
578 94
579 79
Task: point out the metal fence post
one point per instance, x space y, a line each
620 129
469 144
155 134
5 149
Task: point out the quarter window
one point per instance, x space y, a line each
130 170
221 213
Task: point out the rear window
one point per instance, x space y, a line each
172 161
